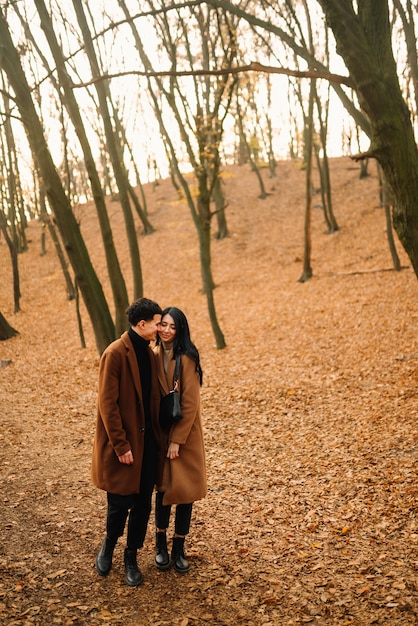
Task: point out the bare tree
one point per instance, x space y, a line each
114 150
363 37
74 244
198 117
307 268
120 295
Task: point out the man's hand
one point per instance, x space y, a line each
127 458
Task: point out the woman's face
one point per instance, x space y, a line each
167 330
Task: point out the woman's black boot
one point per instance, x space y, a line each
162 560
133 574
104 557
180 562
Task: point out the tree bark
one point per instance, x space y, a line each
219 200
11 170
386 200
208 286
307 268
15 264
253 164
6 331
48 223
407 17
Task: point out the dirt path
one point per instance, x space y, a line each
310 423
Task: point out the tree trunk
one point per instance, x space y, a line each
79 320
47 222
307 269
394 254
11 164
387 203
208 285
218 198
364 42
74 244
325 180
271 158
15 264
6 331
323 167
263 194
408 23
141 211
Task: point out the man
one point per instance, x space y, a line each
128 443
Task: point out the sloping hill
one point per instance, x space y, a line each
310 420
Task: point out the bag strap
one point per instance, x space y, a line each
177 369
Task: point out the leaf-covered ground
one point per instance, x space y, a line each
310 418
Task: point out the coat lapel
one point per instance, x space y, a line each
133 364
162 378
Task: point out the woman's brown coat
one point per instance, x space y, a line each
184 478
120 419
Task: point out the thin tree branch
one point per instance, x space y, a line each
252 67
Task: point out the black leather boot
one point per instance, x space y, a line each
133 574
180 562
104 557
162 560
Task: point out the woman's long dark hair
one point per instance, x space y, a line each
182 343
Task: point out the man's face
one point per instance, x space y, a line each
148 328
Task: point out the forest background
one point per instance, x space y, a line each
190 64
315 380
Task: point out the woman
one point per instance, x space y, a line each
184 477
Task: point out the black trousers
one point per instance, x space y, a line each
182 518
136 507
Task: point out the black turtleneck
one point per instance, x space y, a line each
142 356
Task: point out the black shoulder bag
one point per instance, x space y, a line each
170 410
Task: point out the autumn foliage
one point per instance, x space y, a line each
310 417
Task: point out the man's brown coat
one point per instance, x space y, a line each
120 419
